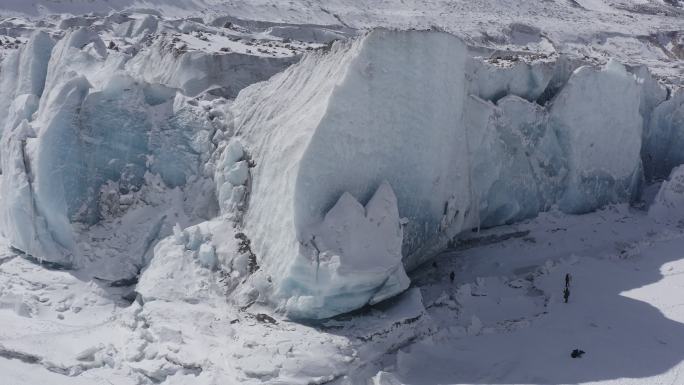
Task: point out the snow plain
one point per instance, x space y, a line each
214 192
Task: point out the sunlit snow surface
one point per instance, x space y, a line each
623 312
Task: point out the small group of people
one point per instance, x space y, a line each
566 291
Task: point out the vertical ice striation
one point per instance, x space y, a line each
23 79
517 166
81 139
395 116
355 259
652 95
597 120
57 166
664 138
383 108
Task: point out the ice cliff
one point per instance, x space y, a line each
316 190
461 143
104 150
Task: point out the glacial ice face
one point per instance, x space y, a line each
289 198
372 122
56 162
652 95
269 221
80 151
517 163
24 79
664 138
25 71
396 108
347 169
106 145
356 259
600 131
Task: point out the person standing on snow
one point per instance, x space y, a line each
566 291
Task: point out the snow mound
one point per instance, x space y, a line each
664 137
184 265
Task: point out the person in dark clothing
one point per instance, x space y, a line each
452 276
566 291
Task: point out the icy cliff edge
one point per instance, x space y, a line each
411 112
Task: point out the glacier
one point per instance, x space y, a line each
461 144
98 160
309 182
94 126
324 192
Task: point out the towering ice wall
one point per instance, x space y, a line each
459 144
81 132
664 138
600 133
333 178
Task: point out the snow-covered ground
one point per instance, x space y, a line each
341 192
501 320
